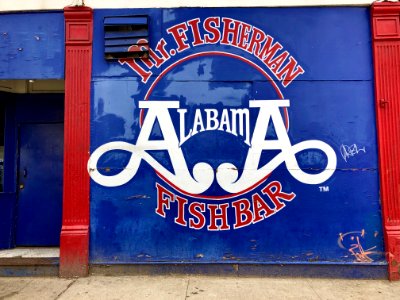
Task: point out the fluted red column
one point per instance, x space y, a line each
386 47
74 244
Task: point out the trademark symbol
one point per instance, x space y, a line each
324 189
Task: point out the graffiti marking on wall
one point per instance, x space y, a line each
352 242
350 151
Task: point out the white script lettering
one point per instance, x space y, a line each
226 174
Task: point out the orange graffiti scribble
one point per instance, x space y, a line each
359 253
356 249
341 237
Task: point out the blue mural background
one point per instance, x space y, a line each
332 102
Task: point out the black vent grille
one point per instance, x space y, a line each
126 37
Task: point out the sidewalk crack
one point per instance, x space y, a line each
187 288
68 286
9 295
310 285
12 294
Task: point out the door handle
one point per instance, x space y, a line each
25 173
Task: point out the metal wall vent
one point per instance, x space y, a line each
126 37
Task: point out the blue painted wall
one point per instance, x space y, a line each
335 221
32 45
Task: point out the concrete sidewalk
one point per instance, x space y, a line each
195 287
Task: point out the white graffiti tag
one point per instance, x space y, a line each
203 174
350 151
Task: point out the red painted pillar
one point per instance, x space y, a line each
386 47
74 244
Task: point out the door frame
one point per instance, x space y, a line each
21 107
